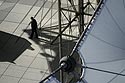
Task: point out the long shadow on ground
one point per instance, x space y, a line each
10 49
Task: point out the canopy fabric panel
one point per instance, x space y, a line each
103 46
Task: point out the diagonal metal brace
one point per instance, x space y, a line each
77 14
65 28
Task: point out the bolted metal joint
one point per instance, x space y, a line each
68 64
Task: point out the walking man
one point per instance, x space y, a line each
34 28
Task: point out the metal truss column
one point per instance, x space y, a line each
60 37
81 16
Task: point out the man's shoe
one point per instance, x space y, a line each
30 37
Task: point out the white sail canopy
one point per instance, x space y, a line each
103 47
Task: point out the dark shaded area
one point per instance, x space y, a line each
10 50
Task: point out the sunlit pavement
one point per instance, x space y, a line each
27 65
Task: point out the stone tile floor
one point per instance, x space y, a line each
30 66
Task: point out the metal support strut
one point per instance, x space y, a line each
67 64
